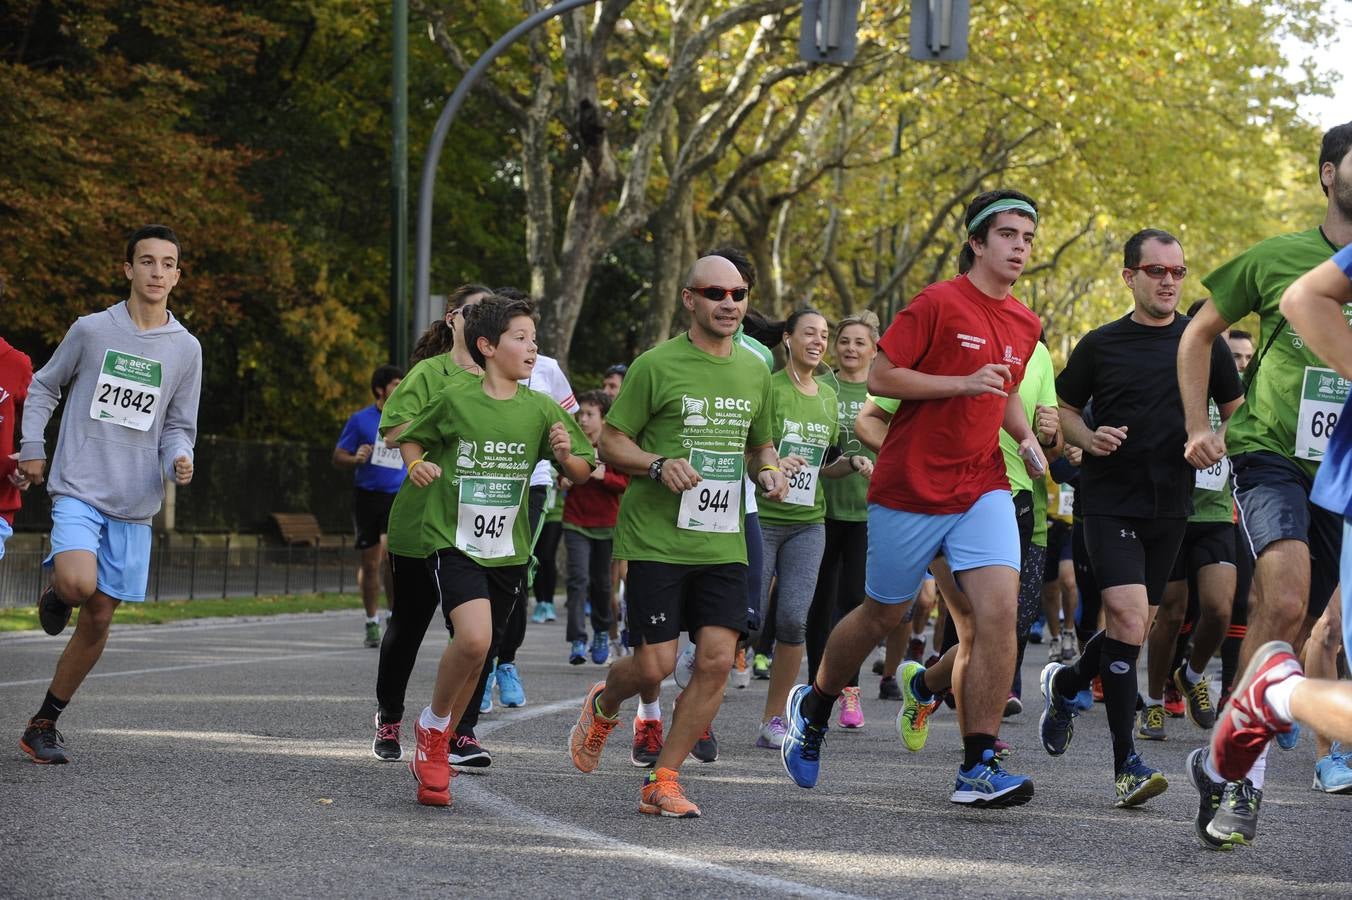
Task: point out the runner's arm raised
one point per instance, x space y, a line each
1194 372
870 426
619 451
888 380
1096 443
1016 423
1313 304
764 461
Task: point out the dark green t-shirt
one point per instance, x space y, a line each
1211 497
682 403
847 498
1287 404
486 449
419 387
805 426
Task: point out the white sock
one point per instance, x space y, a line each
1210 769
650 712
1191 676
1278 696
1155 701
1259 771
373 620
432 721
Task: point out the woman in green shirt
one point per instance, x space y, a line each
806 428
840 581
440 359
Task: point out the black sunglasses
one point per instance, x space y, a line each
716 294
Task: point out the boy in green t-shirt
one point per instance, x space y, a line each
471 452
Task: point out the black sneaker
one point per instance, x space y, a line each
1236 821
43 742
1209 800
385 745
888 689
466 751
53 613
647 744
706 748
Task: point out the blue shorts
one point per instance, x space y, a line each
5 532
902 544
122 549
1347 589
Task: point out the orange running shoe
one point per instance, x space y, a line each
662 796
431 767
589 734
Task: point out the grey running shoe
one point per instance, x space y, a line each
1236 821
43 743
1150 723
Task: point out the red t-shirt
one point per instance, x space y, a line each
940 456
16 371
595 503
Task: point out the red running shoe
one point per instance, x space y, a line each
1247 723
431 767
1173 701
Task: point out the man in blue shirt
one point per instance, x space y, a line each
378 472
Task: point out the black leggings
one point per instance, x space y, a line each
840 588
413 600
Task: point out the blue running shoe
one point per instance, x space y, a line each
1287 740
987 786
1137 783
1332 775
600 649
538 616
510 691
486 704
1084 700
1057 725
802 747
1035 632
578 654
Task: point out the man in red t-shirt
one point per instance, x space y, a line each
955 356
16 371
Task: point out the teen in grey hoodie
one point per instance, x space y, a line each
132 376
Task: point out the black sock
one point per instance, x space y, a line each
919 688
974 746
1117 668
817 707
1075 677
52 707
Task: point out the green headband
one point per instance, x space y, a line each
1009 204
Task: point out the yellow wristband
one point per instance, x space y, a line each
768 469
413 465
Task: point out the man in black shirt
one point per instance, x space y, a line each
1135 487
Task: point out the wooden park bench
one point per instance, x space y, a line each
298 528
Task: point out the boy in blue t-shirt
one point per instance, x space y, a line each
378 472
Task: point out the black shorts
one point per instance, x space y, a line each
1273 497
459 579
1204 544
664 599
1058 549
370 516
1126 550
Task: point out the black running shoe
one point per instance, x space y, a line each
1208 801
706 748
43 742
888 689
466 751
385 745
1236 821
53 613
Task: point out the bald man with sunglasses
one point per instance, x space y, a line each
694 414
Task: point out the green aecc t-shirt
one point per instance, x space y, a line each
805 426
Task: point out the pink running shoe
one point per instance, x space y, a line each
1247 723
851 713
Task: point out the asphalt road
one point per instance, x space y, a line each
233 758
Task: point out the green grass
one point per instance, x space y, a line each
157 613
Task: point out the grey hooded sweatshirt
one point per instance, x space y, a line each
131 410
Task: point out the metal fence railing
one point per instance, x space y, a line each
234 566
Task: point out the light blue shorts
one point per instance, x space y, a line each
122 549
901 545
5 532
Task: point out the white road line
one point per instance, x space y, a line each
205 665
211 623
476 792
